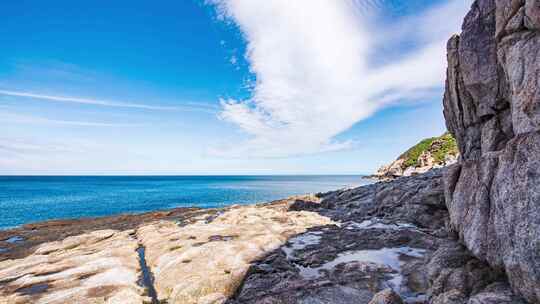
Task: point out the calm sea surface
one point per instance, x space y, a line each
25 199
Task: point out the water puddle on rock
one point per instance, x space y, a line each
14 239
147 279
33 289
300 242
378 224
389 257
385 256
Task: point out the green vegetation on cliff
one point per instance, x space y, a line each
439 147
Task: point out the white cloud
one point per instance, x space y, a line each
314 81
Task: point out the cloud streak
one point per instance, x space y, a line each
106 103
311 59
27 119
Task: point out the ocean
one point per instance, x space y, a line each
27 199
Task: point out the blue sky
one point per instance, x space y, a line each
219 86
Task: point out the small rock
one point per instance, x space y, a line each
387 296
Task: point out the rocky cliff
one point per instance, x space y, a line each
434 152
492 107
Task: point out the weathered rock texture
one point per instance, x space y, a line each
492 107
389 235
97 267
184 257
381 240
382 243
206 261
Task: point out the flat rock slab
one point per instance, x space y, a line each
22 241
97 267
205 262
183 257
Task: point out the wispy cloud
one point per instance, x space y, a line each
311 59
19 146
19 154
30 119
107 103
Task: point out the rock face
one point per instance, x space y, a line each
435 152
387 296
417 200
492 107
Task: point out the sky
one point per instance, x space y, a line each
220 86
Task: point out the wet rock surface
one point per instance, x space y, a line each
390 236
206 262
340 265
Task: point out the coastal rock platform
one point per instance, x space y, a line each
387 242
177 256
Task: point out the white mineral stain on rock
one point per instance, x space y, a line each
376 223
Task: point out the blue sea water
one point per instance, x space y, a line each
26 199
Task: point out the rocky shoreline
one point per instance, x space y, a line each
178 256
388 242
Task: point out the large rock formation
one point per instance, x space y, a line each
492 107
